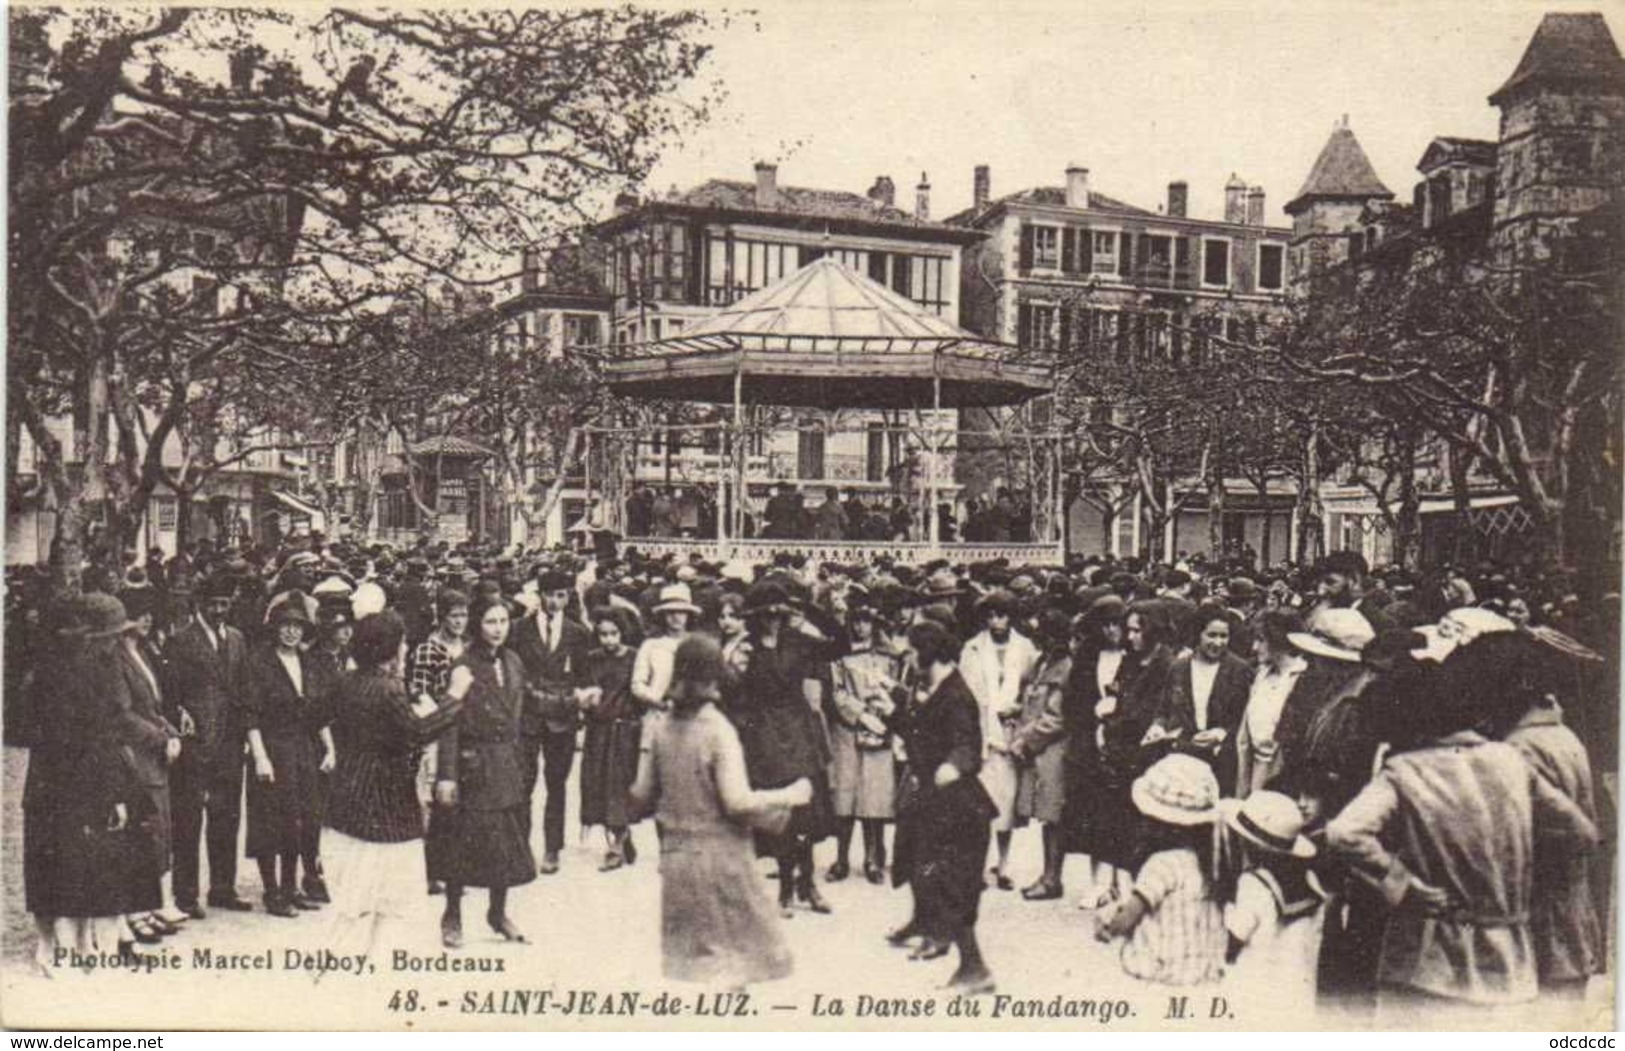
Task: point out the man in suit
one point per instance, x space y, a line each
553 646
207 661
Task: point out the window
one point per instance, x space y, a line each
1043 327
1105 252
1269 267
581 330
1159 259
1047 247
875 452
810 451
167 515
1215 263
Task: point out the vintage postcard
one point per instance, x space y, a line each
902 516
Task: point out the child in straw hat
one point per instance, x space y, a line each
1276 916
1172 925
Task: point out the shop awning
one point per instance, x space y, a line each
318 520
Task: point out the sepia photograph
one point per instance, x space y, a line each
905 516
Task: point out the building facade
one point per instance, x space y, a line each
672 261
1072 270
1547 192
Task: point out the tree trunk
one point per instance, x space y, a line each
1265 542
1310 513
1408 535
1215 510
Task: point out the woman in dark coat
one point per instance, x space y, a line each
374 818
80 804
1138 697
783 738
1097 656
286 714
609 754
944 815
149 743
476 831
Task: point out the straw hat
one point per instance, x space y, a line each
1179 790
1269 820
1337 633
676 597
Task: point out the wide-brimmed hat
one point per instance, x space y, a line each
1269 820
104 615
1179 790
1339 634
291 606
676 597
767 597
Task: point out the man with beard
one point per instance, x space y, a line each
1340 584
996 665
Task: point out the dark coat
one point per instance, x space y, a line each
550 675
284 811
943 833
141 726
209 684
74 864
378 740
782 736
1083 771
480 753
1225 707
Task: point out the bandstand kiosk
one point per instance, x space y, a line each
830 341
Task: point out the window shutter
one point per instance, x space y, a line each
1025 260
1086 250
1125 255
1024 324
1069 248
1065 344
1184 253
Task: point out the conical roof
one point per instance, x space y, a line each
1569 48
828 336
1341 170
825 298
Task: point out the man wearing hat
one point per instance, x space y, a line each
208 662
553 646
1340 584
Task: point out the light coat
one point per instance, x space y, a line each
1461 814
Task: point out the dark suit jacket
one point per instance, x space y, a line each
550 674
209 684
1225 707
143 731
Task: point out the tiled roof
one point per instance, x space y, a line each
1053 196
796 200
1341 170
1572 48
1447 148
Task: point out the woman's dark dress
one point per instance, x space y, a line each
942 833
1142 691
609 755
784 739
285 813
73 864
480 841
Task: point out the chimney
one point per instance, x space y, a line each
1077 186
1179 195
1255 206
884 191
922 199
981 188
625 202
533 271
767 185
1235 200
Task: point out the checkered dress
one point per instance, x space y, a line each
1181 940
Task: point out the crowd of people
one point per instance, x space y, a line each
1373 789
